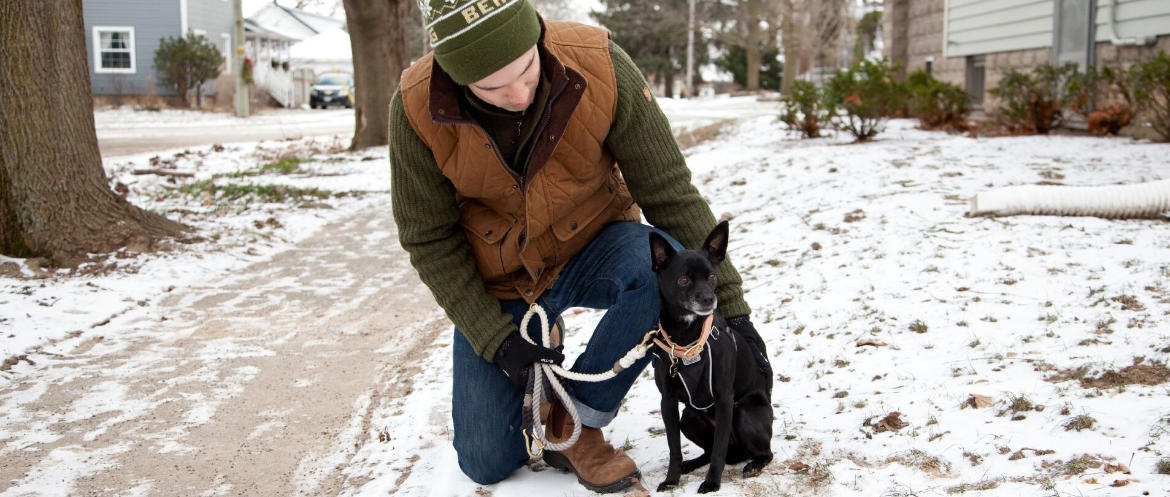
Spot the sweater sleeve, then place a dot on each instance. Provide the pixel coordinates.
(423, 202)
(658, 177)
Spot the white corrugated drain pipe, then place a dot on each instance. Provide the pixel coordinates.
(1141, 201)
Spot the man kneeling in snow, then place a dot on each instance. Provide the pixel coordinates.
(504, 149)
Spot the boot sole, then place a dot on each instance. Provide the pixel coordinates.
(559, 461)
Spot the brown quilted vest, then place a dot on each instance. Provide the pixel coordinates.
(523, 230)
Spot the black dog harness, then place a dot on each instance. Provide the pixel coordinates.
(696, 375)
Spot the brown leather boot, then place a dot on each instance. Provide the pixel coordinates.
(598, 465)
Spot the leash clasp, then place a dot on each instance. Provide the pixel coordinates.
(528, 445)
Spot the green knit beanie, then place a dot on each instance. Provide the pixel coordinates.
(474, 38)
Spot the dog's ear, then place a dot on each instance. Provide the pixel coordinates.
(716, 244)
(660, 251)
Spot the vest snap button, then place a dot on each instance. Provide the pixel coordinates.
(442, 111)
(577, 86)
(538, 272)
(488, 234)
(487, 145)
(573, 225)
(528, 293)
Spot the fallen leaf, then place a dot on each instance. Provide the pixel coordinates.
(978, 401)
(871, 341)
(1091, 481)
(797, 466)
(1116, 468)
(892, 422)
(1122, 483)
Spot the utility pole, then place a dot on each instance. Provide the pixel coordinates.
(690, 85)
(238, 59)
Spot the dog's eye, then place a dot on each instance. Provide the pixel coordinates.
(684, 281)
(711, 278)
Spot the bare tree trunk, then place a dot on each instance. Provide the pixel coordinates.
(753, 56)
(381, 51)
(790, 42)
(55, 199)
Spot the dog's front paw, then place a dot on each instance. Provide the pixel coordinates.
(708, 487)
(667, 484)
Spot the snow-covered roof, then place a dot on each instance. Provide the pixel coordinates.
(332, 45)
(255, 30)
(293, 23)
(317, 23)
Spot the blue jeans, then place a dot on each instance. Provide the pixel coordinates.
(612, 272)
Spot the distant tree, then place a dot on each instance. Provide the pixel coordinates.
(867, 34)
(812, 32)
(654, 34)
(55, 198)
(752, 26)
(734, 61)
(185, 63)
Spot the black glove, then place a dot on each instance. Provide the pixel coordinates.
(743, 325)
(515, 355)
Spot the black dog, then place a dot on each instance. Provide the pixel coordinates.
(728, 403)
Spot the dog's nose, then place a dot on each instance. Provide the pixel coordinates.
(706, 299)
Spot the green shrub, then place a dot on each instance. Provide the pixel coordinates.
(936, 104)
(185, 63)
(1090, 95)
(804, 110)
(1034, 103)
(866, 95)
(1151, 87)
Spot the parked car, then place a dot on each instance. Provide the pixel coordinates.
(332, 89)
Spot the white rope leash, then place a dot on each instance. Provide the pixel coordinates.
(552, 371)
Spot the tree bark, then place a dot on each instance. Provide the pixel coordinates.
(790, 46)
(381, 51)
(753, 46)
(55, 199)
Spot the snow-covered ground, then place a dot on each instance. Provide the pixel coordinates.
(842, 244)
(235, 232)
(838, 243)
(128, 118)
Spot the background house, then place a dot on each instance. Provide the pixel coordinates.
(122, 35)
(973, 42)
(277, 34)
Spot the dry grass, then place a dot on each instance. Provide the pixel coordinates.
(1140, 373)
(1080, 422)
(702, 134)
(923, 461)
(978, 486)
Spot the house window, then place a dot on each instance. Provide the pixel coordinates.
(227, 52)
(113, 50)
(976, 79)
(930, 67)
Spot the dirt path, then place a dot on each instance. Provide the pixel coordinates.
(257, 384)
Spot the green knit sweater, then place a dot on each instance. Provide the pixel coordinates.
(423, 201)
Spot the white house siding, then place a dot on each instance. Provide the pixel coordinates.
(975, 27)
(1134, 18)
(152, 22)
